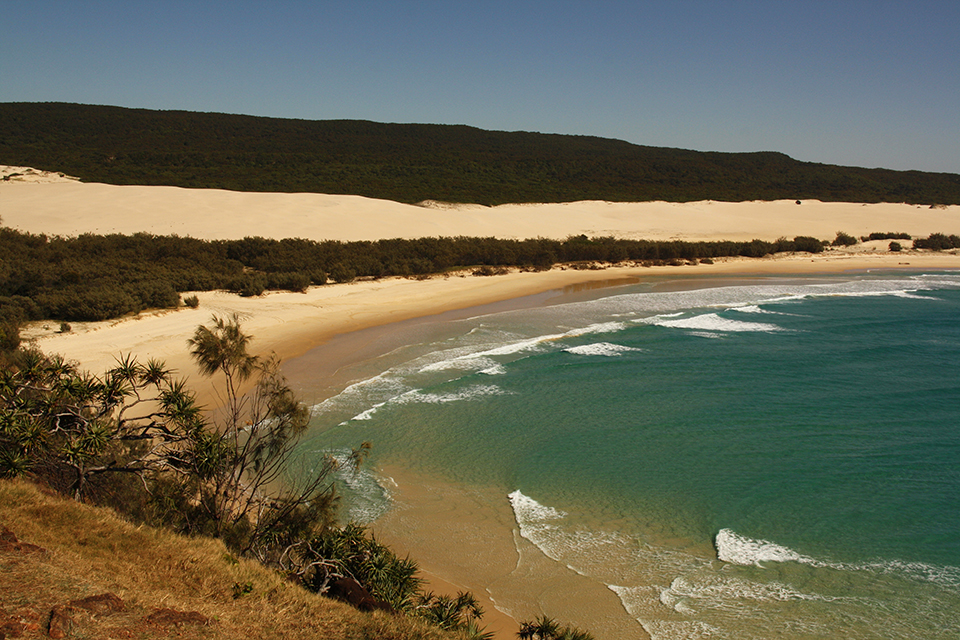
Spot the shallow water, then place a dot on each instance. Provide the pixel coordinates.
(766, 458)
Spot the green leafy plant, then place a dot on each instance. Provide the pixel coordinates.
(544, 628)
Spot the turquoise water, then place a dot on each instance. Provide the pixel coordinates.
(766, 458)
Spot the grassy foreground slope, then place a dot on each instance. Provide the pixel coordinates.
(416, 162)
(88, 551)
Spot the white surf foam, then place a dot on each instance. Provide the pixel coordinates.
(415, 396)
(718, 591)
(469, 393)
(774, 292)
(600, 349)
(527, 511)
(366, 415)
(461, 363)
(741, 550)
(370, 498)
(714, 322)
(495, 370)
(757, 309)
(382, 386)
(737, 549)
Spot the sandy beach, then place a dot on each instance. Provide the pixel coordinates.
(291, 324)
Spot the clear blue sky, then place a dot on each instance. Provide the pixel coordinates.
(854, 82)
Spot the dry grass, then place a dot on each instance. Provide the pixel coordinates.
(91, 551)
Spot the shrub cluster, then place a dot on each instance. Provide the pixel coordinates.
(885, 236)
(937, 242)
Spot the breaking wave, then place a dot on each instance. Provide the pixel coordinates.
(600, 349)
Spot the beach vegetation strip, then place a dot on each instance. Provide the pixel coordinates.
(52, 277)
(99, 277)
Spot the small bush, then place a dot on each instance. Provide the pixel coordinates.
(192, 301)
(65, 327)
(808, 244)
(895, 246)
(844, 240)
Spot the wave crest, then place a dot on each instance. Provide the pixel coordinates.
(606, 349)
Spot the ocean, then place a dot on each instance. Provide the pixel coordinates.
(752, 458)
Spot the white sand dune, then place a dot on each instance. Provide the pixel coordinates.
(62, 206)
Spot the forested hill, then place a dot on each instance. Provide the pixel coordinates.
(415, 162)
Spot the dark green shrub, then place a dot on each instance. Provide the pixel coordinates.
(895, 246)
(544, 628)
(249, 285)
(937, 242)
(844, 240)
(808, 244)
(886, 236)
(192, 301)
(9, 335)
(342, 273)
(291, 281)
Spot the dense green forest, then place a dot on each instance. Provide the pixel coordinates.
(416, 162)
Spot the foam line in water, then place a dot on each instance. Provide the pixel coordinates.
(370, 497)
(715, 322)
(600, 349)
(741, 550)
(418, 396)
(753, 308)
(495, 370)
(737, 549)
(529, 511)
(714, 589)
(382, 384)
(663, 303)
(462, 363)
(470, 393)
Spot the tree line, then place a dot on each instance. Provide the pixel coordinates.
(416, 162)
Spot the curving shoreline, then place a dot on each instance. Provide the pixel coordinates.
(290, 324)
